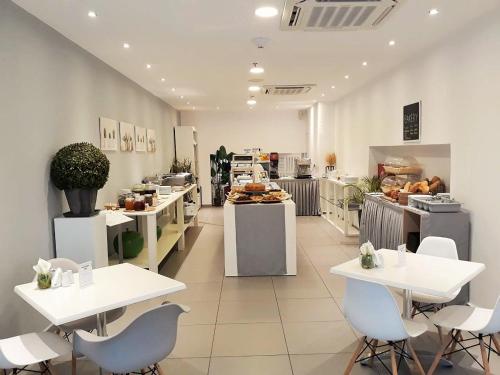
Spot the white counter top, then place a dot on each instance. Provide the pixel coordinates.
(164, 202)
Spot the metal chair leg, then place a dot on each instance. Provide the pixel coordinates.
(373, 352)
(73, 364)
(456, 339)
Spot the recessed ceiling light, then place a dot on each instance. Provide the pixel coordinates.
(365, 63)
(346, 76)
(92, 14)
(218, 108)
(194, 107)
(266, 12)
(172, 89)
(333, 87)
(187, 103)
(163, 79)
(323, 94)
(254, 88)
(251, 101)
(433, 12)
(126, 45)
(256, 69)
(392, 43)
(148, 66)
(182, 96)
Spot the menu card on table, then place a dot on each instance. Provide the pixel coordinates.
(85, 276)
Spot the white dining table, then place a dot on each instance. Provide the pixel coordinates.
(421, 273)
(113, 287)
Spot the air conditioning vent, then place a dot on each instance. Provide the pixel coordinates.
(286, 89)
(331, 15)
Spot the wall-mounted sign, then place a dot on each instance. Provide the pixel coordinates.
(411, 122)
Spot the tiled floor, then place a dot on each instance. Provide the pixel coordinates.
(267, 325)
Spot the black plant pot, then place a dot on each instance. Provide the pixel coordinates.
(81, 202)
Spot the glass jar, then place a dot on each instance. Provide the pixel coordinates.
(139, 203)
(367, 261)
(124, 194)
(149, 199)
(44, 280)
(129, 204)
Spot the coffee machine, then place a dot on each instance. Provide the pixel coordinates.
(273, 165)
(303, 168)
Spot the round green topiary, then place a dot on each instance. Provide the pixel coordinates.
(79, 166)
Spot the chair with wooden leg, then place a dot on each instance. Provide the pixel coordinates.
(141, 346)
(371, 310)
(482, 325)
(438, 247)
(20, 352)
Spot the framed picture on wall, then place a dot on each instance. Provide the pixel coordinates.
(140, 139)
(151, 139)
(126, 136)
(412, 122)
(108, 130)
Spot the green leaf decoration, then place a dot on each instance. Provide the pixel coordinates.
(79, 166)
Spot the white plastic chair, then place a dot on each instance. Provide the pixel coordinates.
(371, 310)
(482, 324)
(145, 342)
(33, 348)
(438, 247)
(89, 323)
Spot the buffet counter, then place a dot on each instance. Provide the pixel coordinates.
(305, 194)
(260, 239)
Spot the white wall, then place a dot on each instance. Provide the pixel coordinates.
(273, 131)
(52, 93)
(458, 82)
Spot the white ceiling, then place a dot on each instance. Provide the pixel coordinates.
(203, 48)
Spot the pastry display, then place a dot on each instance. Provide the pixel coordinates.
(238, 196)
(269, 198)
(398, 190)
(255, 187)
(257, 198)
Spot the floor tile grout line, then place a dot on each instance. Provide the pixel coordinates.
(218, 307)
(216, 321)
(282, 327)
(328, 289)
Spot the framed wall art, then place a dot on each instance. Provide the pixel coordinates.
(108, 130)
(126, 136)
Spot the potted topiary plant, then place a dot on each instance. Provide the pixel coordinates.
(80, 169)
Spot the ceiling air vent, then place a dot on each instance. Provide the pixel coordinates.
(286, 89)
(332, 15)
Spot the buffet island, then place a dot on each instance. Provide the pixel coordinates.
(305, 193)
(259, 232)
